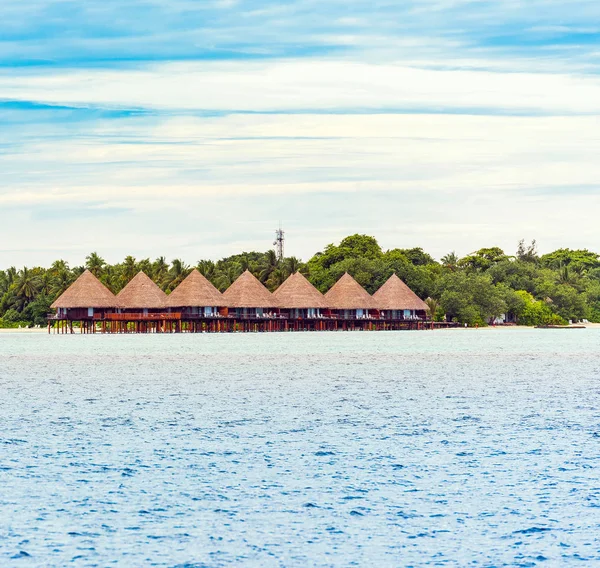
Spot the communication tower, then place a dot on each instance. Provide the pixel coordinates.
(278, 243)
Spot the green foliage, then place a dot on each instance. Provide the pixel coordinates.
(483, 259)
(450, 261)
(471, 298)
(531, 290)
(13, 325)
(11, 316)
(355, 246)
(577, 260)
(527, 253)
(536, 312)
(416, 256)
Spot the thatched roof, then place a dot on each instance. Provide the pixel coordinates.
(348, 294)
(248, 292)
(140, 293)
(195, 291)
(396, 295)
(298, 292)
(86, 292)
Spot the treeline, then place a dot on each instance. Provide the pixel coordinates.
(531, 289)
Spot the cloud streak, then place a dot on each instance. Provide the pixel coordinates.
(191, 128)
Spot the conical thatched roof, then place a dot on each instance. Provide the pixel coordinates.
(348, 294)
(195, 291)
(298, 292)
(248, 292)
(140, 293)
(396, 295)
(86, 292)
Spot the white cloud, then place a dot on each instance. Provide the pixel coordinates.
(456, 175)
(199, 187)
(335, 85)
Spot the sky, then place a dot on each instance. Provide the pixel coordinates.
(192, 128)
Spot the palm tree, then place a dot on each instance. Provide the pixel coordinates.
(277, 278)
(112, 278)
(450, 261)
(179, 270)
(3, 282)
(145, 266)
(207, 268)
(59, 266)
(565, 275)
(46, 279)
(292, 265)
(245, 262)
(228, 276)
(433, 306)
(95, 263)
(129, 268)
(268, 265)
(11, 275)
(61, 280)
(28, 285)
(160, 267)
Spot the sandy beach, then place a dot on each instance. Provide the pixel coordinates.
(25, 330)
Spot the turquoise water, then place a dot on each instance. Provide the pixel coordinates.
(445, 448)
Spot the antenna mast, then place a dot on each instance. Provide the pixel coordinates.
(278, 243)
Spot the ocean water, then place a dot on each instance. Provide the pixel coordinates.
(445, 448)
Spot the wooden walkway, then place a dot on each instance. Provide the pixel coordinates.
(175, 323)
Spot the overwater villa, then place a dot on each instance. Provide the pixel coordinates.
(247, 305)
(348, 300)
(196, 297)
(144, 303)
(86, 300)
(397, 302)
(142, 295)
(197, 300)
(299, 301)
(248, 298)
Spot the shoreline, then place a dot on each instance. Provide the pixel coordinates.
(27, 330)
(23, 330)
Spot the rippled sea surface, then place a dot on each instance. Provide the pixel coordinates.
(445, 448)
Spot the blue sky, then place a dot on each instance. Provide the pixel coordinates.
(190, 129)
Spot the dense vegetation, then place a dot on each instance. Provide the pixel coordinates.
(532, 289)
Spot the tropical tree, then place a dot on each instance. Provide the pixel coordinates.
(129, 269)
(177, 274)
(433, 306)
(450, 261)
(61, 279)
(276, 279)
(292, 265)
(146, 266)
(225, 278)
(582, 259)
(11, 275)
(207, 268)
(483, 259)
(268, 265)
(95, 264)
(27, 285)
(527, 253)
(558, 286)
(245, 262)
(160, 267)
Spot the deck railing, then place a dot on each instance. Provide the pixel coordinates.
(139, 316)
(144, 317)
